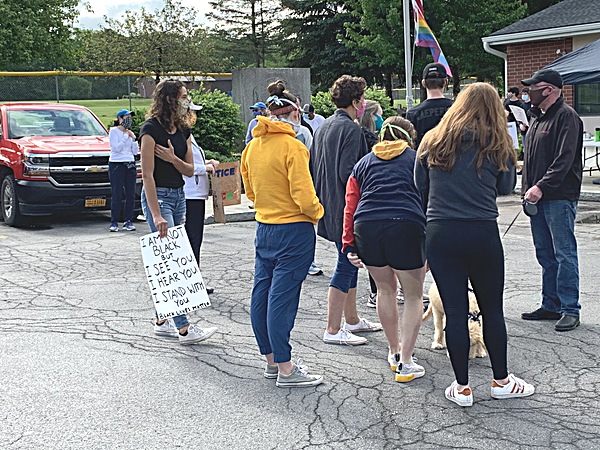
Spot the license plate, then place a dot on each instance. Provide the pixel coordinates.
(91, 202)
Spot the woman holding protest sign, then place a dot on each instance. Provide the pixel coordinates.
(276, 177)
(166, 156)
(462, 165)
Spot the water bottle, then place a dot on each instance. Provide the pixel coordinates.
(597, 135)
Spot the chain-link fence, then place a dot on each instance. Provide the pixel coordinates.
(68, 87)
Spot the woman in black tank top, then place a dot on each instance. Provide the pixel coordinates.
(166, 156)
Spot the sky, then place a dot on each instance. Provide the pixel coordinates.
(115, 8)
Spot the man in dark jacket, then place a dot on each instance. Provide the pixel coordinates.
(552, 171)
(337, 146)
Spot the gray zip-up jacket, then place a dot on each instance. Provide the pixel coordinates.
(464, 193)
(338, 145)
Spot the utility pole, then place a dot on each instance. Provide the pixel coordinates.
(407, 54)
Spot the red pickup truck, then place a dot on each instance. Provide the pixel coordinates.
(53, 158)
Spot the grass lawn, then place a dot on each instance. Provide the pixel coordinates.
(402, 102)
(106, 110)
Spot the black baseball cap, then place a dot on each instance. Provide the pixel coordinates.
(434, 70)
(548, 75)
(308, 108)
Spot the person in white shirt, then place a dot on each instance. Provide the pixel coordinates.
(196, 190)
(314, 120)
(122, 170)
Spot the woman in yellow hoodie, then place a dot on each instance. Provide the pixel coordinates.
(277, 179)
(384, 229)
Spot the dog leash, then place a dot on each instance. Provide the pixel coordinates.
(512, 223)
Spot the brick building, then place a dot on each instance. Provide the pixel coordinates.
(534, 42)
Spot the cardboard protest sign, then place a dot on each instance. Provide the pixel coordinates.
(231, 182)
(217, 197)
(176, 285)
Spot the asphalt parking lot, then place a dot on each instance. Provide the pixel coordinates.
(82, 369)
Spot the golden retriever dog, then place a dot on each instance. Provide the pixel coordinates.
(436, 308)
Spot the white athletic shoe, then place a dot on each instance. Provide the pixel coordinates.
(166, 329)
(463, 398)
(196, 334)
(343, 337)
(514, 388)
(363, 325)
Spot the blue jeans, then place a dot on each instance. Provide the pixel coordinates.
(553, 230)
(283, 256)
(345, 276)
(172, 209)
(120, 176)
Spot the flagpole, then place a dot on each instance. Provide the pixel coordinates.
(407, 58)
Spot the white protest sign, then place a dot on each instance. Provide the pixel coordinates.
(520, 114)
(512, 130)
(175, 281)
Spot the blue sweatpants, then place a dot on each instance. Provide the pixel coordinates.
(283, 256)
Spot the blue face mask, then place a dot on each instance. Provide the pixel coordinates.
(256, 113)
(378, 122)
(525, 97)
(306, 117)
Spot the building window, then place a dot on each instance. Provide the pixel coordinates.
(587, 99)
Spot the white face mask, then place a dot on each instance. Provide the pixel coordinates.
(295, 126)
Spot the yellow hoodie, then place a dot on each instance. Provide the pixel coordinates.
(276, 176)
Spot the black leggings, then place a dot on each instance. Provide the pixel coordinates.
(458, 251)
(194, 224)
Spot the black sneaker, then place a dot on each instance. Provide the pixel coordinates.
(372, 302)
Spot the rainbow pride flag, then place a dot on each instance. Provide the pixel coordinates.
(424, 36)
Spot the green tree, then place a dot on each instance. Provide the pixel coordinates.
(378, 35)
(161, 41)
(462, 24)
(324, 106)
(246, 27)
(309, 38)
(36, 30)
(218, 128)
(76, 88)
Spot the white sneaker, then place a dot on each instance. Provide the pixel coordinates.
(514, 388)
(363, 325)
(196, 334)
(463, 398)
(394, 360)
(408, 372)
(166, 329)
(343, 337)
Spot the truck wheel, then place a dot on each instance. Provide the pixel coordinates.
(10, 203)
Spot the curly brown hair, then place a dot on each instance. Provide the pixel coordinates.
(165, 105)
(347, 88)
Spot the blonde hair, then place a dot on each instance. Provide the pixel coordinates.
(478, 110)
(366, 120)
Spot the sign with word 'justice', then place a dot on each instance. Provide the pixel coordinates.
(175, 281)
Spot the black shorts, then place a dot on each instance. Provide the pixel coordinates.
(397, 243)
